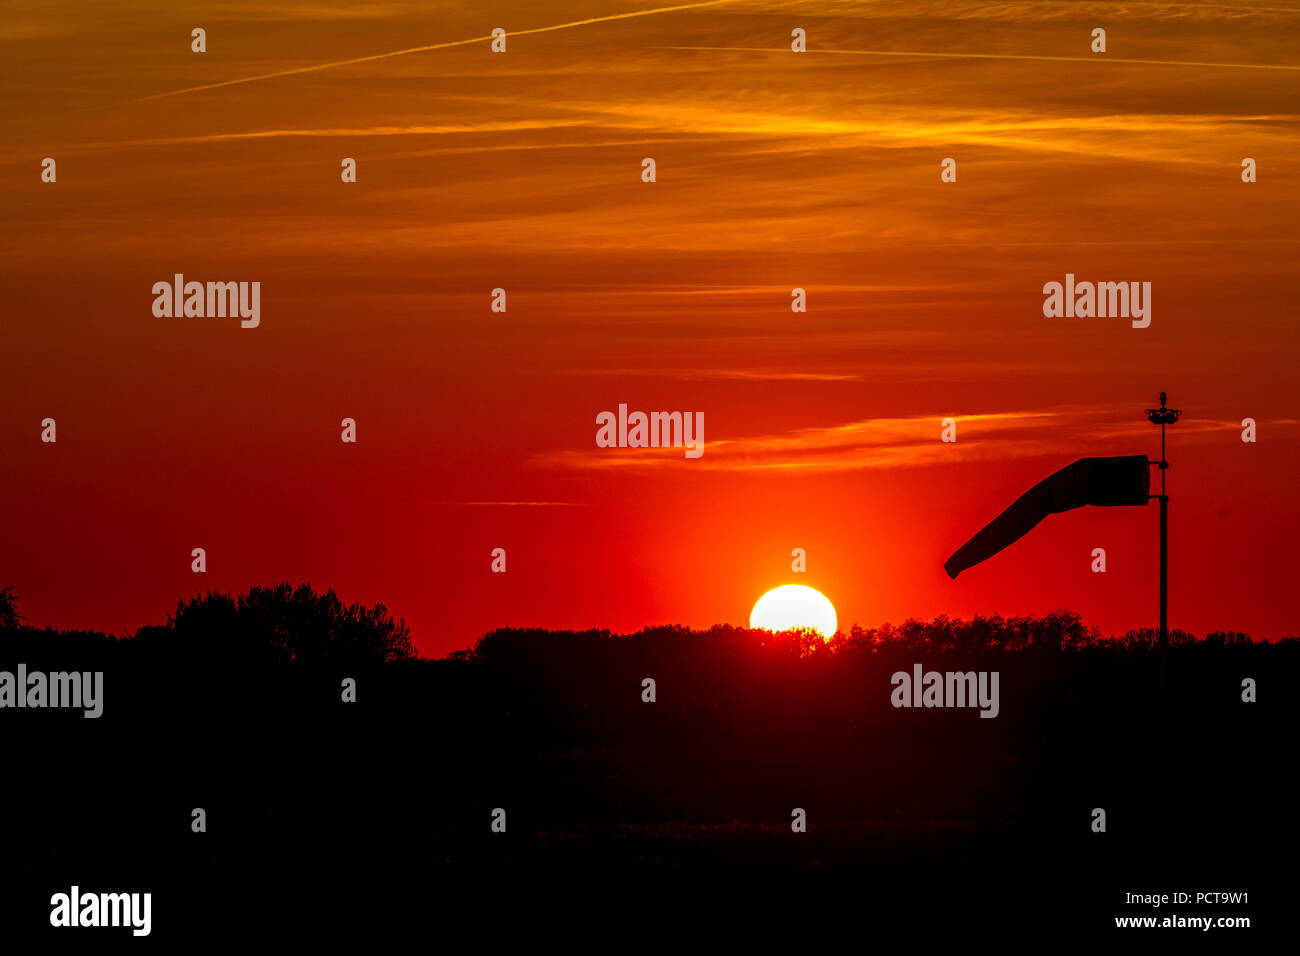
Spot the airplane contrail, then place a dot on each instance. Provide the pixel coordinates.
(431, 46)
(999, 56)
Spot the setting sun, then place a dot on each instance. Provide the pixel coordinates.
(794, 605)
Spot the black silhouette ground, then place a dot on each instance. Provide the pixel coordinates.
(625, 817)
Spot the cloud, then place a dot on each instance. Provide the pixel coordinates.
(868, 443)
(504, 504)
(348, 131)
(998, 56)
(1146, 137)
(521, 504)
(1035, 11)
(722, 374)
(910, 442)
(317, 67)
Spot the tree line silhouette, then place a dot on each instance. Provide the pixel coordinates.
(280, 624)
(283, 624)
(235, 704)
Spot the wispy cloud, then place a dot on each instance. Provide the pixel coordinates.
(1035, 11)
(998, 56)
(503, 504)
(1146, 137)
(349, 131)
(909, 442)
(721, 374)
(868, 443)
(317, 67)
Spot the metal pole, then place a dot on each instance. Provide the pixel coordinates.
(1164, 580)
(1163, 416)
(1164, 547)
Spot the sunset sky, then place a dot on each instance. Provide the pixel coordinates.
(522, 170)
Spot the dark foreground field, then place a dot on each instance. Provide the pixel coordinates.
(671, 819)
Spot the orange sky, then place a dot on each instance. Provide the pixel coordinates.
(522, 170)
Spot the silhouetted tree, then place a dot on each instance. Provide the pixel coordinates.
(1150, 637)
(1227, 637)
(280, 624)
(10, 617)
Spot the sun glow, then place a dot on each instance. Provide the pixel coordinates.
(794, 605)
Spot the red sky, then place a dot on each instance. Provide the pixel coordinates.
(521, 170)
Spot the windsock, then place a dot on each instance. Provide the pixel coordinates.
(1107, 482)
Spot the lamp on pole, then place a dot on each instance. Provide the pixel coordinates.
(1163, 416)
